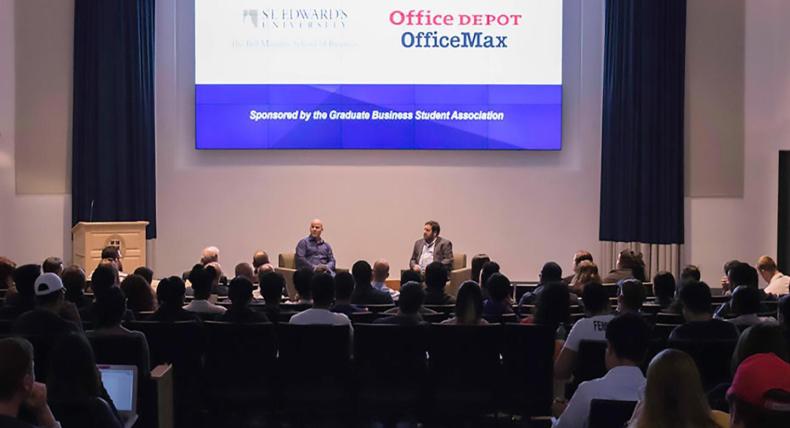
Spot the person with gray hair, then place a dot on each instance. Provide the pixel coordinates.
(209, 255)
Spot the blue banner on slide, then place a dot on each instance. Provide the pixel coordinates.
(379, 117)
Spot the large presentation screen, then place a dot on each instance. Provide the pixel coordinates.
(378, 74)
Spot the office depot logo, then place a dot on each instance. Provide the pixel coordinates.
(425, 38)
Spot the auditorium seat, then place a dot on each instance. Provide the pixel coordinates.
(464, 369)
(364, 317)
(501, 319)
(528, 360)
(443, 309)
(610, 413)
(315, 363)
(84, 413)
(458, 274)
(391, 369)
(713, 358)
(436, 318)
(669, 318)
(379, 308)
(591, 363)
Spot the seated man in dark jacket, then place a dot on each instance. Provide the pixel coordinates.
(435, 281)
(240, 292)
(364, 293)
(411, 297)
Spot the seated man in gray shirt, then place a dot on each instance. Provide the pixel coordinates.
(313, 252)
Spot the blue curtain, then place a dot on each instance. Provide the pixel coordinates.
(642, 144)
(113, 155)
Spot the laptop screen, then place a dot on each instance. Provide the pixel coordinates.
(120, 382)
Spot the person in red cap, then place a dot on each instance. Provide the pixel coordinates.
(760, 393)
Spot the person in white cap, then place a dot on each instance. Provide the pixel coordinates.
(45, 321)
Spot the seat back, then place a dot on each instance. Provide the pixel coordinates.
(713, 358)
(123, 350)
(84, 413)
(300, 345)
(459, 261)
(528, 360)
(610, 413)
(239, 354)
(180, 343)
(364, 317)
(287, 260)
(390, 354)
(591, 361)
(454, 349)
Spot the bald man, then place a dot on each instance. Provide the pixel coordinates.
(313, 252)
(381, 271)
(209, 255)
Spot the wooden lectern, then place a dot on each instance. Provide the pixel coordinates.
(89, 238)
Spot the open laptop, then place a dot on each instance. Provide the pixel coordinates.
(121, 384)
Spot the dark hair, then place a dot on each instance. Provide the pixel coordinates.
(488, 269)
(302, 280)
(751, 416)
(6, 271)
(111, 252)
(411, 298)
(553, 305)
(170, 291)
(469, 295)
(633, 293)
(109, 311)
(760, 339)
(695, 297)
(664, 286)
(743, 274)
(410, 275)
(240, 291)
(551, 272)
(74, 282)
(499, 288)
(784, 309)
(323, 288)
(745, 300)
(478, 262)
(103, 278)
(690, 272)
(25, 279)
(581, 256)
(595, 298)
(435, 228)
(73, 375)
(630, 259)
(362, 273)
(146, 273)
(435, 275)
(52, 264)
(272, 285)
(628, 336)
(201, 279)
(140, 295)
(16, 363)
(50, 298)
(729, 265)
(344, 285)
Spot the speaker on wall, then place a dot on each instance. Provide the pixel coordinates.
(783, 226)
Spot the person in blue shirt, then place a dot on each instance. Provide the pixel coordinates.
(313, 252)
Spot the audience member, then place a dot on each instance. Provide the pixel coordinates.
(272, 285)
(240, 293)
(104, 277)
(344, 289)
(170, 293)
(25, 300)
(488, 269)
(244, 270)
(553, 310)
(411, 298)
(74, 282)
(578, 257)
(7, 267)
(435, 281)
(468, 306)
(260, 261)
(549, 274)
(478, 260)
(725, 280)
(629, 265)
(146, 273)
(409, 276)
(364, 293)
(745, 304)
(591, 327)
(45, 320)
(140, 296)
(499, 292)
(323, 288)
(302, 280)
(586, 272)
(695, 299)
(664, 288)
(209, 255)
(630, 295)
(737, 275)
(18, 387)
(627, 338)
(218, 280)
(674, 396)
(760, 393)
(777, 281)
(107, 323)
(52, 265)
(381, 271)
(112, 255)
(201, 279)
(690, 273)
(74, 379)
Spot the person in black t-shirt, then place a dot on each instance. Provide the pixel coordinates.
(411, 297)
(240, 292)
(18, 386)
(170, 294)
(364, 293)
(700, 324)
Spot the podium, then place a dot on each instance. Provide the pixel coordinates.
(89, 238)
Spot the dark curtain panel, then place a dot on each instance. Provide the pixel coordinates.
(642, 147)
(113, 157)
